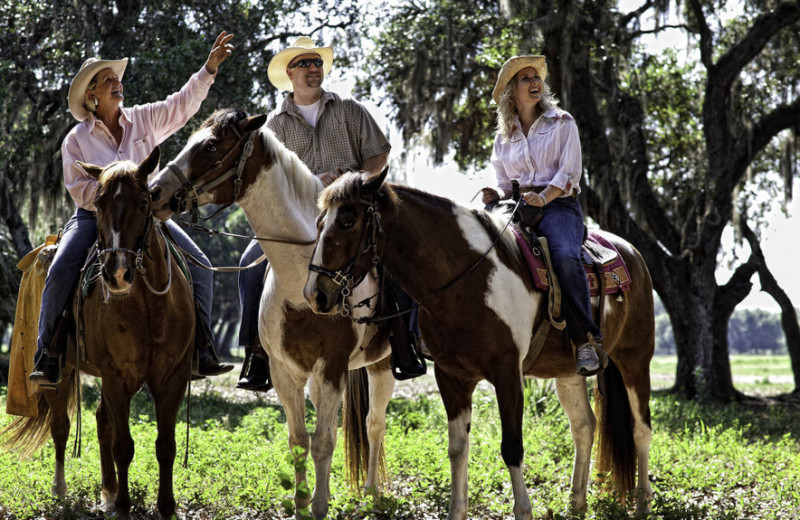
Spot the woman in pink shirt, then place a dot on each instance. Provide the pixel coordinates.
(537, 144)
(109, 132)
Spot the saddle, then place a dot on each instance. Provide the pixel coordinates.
(605, 269)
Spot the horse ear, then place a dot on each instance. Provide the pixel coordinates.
(91, 169)
(150, 163)
(373, 183)
(255, 122)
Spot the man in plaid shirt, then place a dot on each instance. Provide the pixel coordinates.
(330, 135)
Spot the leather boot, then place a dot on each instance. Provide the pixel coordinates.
(255, 373)
(209, 364)
(47, 371)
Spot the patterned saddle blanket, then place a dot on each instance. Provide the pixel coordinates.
(600, 257)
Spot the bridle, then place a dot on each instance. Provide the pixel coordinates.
(344, 277)
(190, 191)
(138, 256)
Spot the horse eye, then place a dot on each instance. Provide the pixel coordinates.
(211, 148)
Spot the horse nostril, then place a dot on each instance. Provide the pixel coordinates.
(128, 277)
(155, 194)
(322, 301)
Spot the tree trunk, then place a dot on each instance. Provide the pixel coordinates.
(12, 219)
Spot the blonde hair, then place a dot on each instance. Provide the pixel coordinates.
(88, 103)
(507, 110)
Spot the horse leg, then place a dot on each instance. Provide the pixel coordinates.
(637, 385)
(105, 438)
(59, 429)
(118, 401)
(381, 387)
(326, 398)
(167, 393)
(574, 398)
(290, 393)
(509, 402)
(457, 398)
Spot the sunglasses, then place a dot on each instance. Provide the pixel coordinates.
(306, 63)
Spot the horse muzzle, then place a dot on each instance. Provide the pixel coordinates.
(323, 294)
(118, 274)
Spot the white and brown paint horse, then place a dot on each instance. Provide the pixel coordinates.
(139, 329)
(482, 327)
(278, 194)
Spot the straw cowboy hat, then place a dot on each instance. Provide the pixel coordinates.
(303, 45)
(514, 65)
(77, 90)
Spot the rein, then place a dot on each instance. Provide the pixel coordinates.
(344, 278)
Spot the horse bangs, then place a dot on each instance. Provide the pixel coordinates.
(116, 170)
(223, 117)
(348, 189)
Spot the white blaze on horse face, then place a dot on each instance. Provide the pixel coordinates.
(507, 295)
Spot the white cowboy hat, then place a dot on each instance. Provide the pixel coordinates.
(77, 90)
(514, 65)
(303, 45)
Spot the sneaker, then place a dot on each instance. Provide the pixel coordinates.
(587, 363)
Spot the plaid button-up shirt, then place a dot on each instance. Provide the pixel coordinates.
(346, 135)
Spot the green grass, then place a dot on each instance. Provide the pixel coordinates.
(707, 462)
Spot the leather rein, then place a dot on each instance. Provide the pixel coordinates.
(344, 277)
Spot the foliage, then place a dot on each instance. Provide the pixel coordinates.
(707, 462)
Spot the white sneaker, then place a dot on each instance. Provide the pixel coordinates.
(587, 363)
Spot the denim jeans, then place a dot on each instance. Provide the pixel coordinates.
(251, 285)
(562, 225)
(79, 235)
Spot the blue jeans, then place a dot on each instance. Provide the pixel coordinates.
(251, 285)
(562, 225)
(79, 235)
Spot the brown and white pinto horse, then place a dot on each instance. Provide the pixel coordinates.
(482, 327)
(139, 329)
(278, 193)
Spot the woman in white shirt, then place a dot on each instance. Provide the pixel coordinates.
(537, 144)
(107, 132)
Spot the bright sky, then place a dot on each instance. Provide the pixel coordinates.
(778, 240)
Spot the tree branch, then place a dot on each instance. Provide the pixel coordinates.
(763, 28)
(783, 117)
(791, 329)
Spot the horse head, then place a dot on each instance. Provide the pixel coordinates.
(124, 218)
(347, 243)
(209, 168)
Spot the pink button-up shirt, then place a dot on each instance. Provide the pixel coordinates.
(549, 155)
(144, 127)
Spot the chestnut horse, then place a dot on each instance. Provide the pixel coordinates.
(139, 328)
(478, 316)
(234, 159)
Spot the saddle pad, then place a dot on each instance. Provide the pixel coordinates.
(613, 270)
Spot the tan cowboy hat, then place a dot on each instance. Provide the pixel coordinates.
(77, 90)
(514, 65)
(303, 45)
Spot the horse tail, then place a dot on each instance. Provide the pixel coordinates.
(27, 434)
(616, 448)
(354, 428)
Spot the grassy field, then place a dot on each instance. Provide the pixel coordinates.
(740, 461)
